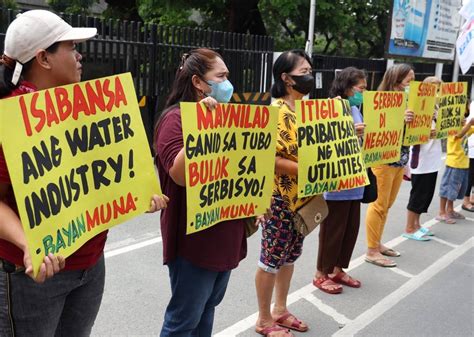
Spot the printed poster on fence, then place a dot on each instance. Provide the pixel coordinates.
(329, 155)
(230, 161)
(79, 161)
(421, 100)
(452, 106)
(384, 118)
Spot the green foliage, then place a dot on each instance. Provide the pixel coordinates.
(173, 13)
(11, 4)
(342, 27)
(71, 6)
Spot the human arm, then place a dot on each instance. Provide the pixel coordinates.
(466, 128)
(177, 170)
(359, 129)
(409, 116)
(11, 230)
(286, 166)
(158, 202)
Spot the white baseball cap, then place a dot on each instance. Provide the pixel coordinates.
(39, 29)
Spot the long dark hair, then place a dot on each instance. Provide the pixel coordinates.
(286, 63)
(7, 66)
(394, 76)
(197, 62)
(344, 80)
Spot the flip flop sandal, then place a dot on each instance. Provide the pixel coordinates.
(378, 262)
(446, 219)
(295, 324)
(426, 230)
(270, 329)
(417, 236)
(469, 209)
(456, 215)
(350, 282)
(323, 282)
(390, 252)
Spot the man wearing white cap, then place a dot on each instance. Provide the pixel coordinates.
(64, 299)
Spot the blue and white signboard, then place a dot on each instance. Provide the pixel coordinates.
(424, 28)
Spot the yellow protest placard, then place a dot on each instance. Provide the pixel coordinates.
(451, 108)
(79, 162)
(421, 100)
(329, 154)
(230, 161)
(384, 119)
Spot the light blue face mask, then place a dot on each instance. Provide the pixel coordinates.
(357, 99)
(221, 91)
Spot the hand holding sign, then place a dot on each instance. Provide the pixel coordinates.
(79, 164)
(209, 102)
(158, 202)
(229, 161)
(419, 114)
(409, 115)
(383, 114)
(52, 264)
(359, 129)
(329, 156)
(452, 105)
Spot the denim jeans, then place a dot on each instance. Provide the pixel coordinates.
(64, 305)
(195, 292)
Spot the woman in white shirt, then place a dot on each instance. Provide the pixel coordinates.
(425, 162)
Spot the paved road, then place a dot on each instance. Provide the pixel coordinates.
(430, 293)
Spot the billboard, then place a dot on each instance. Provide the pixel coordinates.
(424, 28)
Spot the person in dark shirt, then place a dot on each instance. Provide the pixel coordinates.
(200, 263)
(63, 299)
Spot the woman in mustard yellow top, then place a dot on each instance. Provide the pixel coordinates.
(281, 243)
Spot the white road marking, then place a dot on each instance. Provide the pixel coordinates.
(401, 272)
(305, 291)
(129, 248)
(328, 310)
(368, 316)
(444, 242)
(302, 293)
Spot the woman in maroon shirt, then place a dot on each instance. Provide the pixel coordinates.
(200, 263)
(39, 54)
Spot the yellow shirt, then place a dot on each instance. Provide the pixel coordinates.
(457, 150)
(287, 147)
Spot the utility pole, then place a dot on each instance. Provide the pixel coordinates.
(312, 16)
(456, 56)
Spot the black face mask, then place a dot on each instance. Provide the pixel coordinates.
(303, 84)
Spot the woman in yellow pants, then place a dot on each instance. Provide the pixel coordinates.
(389, 178)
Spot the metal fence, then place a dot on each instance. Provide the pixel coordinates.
(325, 68)
(152, 54)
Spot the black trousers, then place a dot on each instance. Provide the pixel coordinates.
(471, 177)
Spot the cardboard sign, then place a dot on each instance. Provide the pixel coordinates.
(384, 119)
(230, 161)
(452, 106)
(421, 100)
(79, 162)
(329, 154)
